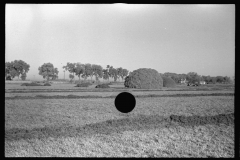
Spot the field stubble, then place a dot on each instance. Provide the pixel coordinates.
(93, 127)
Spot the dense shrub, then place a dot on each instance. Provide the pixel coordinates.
(227, 119)
(168, 82)
(83, 84)
(102, 86)
(31, 84)
(47, 84)
(34, 84)
(8, 78)
(144, 78)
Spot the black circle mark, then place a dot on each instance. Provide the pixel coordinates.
(125, 102)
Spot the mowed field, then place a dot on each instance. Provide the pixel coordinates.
(66, 121)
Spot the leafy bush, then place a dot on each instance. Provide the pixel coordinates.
(31, 84)
(168, 82)
(102, 86)
(47, 84)
(144, 78)
(44, 82)
(8, 78)
(83, 84)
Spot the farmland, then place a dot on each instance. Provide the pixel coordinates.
(60, 121)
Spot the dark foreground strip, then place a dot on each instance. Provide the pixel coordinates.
(203, 120)
(137, 96)
(138, 123)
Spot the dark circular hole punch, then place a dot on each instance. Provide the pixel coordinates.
(125, 102)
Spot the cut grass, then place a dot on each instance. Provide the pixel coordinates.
(94, 128)
(175, 141)
(113, 96)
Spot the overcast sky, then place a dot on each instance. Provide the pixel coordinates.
(167, 38)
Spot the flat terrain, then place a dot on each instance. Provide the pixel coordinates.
(66, 121)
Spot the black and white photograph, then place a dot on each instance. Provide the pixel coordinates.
(120, 80)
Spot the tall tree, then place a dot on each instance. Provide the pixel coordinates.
(21, 67)
(219, 79)
(10, 72)
(71, 68)
(71, 76)
(16, 68)
(193, 77)
(87, 71)
(182, 77)
(108, 72)
(111, 71)
(206, 78)
(105, 74)
(226, 79)
(54, 76)
(23, 76)
(124, 73)
(119, 72)
(97, 71)
(47, 70)
(213, 80)
(79, 70)
(114, 74)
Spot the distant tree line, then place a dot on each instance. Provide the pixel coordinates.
(89, 70)
(193, 77)
(20, 68)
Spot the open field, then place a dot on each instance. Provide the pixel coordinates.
(193, 123)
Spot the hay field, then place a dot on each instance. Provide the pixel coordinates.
(179, 126)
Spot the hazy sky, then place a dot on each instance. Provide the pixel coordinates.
(167, 38)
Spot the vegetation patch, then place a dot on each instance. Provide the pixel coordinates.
(31, 84)
(83, 84)
(227, 119)
(47, 84)
(168, 82)
(102, 86)
(144, 78)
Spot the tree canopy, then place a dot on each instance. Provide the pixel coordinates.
(16, 68)
(48, 71)
(97, 71)
(79, 69)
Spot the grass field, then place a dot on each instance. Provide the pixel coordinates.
(183, 125)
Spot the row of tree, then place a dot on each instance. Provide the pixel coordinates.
(90, 70)
(20, 68)
(193, 77)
